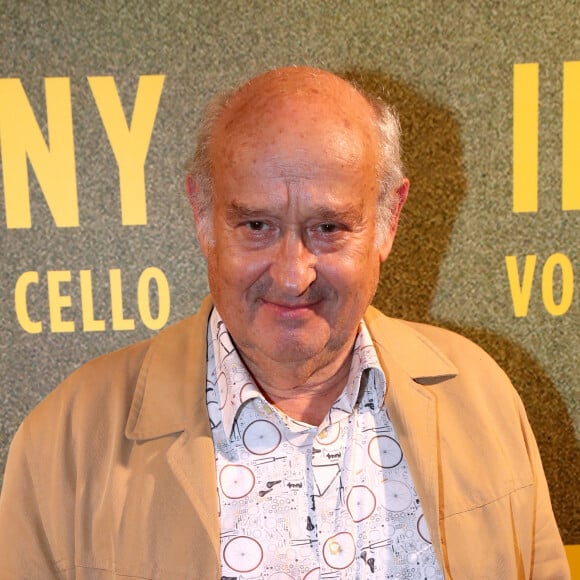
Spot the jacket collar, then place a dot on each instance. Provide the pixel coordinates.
(170, 392)
(400, 345)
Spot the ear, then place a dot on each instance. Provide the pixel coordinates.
(387, 244)
(201, 229)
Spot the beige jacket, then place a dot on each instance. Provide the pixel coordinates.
(112, 476)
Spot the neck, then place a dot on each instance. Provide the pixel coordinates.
(306, 391)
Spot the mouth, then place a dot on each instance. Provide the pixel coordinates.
(291, 310)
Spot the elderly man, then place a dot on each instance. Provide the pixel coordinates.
(287, 430)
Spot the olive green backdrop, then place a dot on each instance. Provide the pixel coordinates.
(447, 66)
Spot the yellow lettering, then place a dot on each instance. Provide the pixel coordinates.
(130, 145)
(21, 305)
(163, 295)
(58, 301)
(525, 137)
(117, 314)
(152, 287)
(520, 290)
(563, 262)
(571, 137)
(21, 138)
(90, 324)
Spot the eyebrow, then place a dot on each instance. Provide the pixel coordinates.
(239, 210)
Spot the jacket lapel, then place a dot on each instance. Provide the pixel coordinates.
(169, 399)
(411, 365)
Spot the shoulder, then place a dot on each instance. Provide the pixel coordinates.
(424, 349)
(100, 393)
(466, 382)
(109, 379)
(456, 347)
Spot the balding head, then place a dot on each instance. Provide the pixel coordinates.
(263, 108)
(265, 98)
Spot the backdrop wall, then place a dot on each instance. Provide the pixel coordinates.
(98, 108)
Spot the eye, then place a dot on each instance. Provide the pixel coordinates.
(256, 225)
(328, 228)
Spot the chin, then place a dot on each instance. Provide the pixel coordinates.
(285, 350)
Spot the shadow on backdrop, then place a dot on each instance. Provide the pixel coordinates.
(434, 164)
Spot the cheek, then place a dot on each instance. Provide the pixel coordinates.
(354, 263)
(228, 267)
(353, 275)
(343, 273)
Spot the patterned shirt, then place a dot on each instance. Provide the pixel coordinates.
(302, 502)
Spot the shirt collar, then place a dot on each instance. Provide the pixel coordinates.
(170, 382)
(235, 385)
(365, 386)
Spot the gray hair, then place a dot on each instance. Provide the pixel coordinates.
(390, 173)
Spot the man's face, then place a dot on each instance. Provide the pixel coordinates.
(293, 260)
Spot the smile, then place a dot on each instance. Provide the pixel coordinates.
(290, 310)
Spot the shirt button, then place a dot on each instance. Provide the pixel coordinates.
(334, 547)
(323, 434)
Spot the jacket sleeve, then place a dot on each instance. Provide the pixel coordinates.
(24, 547)
(549, 560)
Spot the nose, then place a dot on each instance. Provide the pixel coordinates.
(293, 268)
